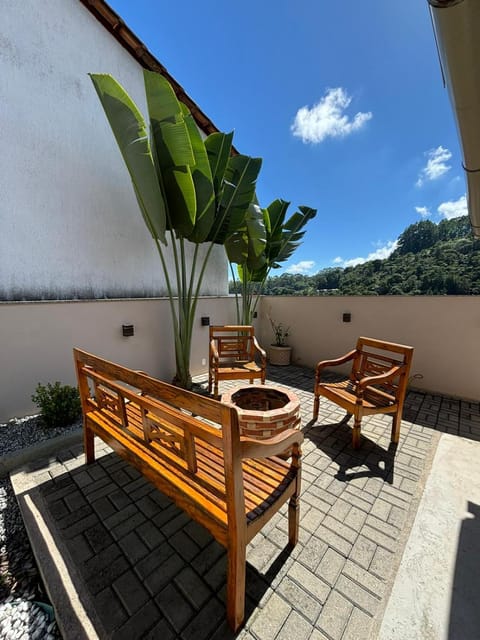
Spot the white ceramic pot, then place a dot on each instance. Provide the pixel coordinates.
(279, 355)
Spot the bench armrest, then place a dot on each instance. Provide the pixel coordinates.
(253, 448)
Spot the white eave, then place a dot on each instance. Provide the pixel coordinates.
(457, 30)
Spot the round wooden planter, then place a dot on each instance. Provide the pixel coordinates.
(279, 355)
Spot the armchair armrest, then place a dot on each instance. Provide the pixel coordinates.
(368, 381)
(253, 448)
(213, 351)
(384, 377)
(323, 364)
(258, 348)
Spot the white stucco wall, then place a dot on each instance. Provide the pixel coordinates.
(70, 224)
(37, 338)
(444, 330)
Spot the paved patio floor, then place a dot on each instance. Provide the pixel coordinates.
(138, 567)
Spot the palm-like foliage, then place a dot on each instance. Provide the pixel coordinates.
(188, 189)
(246, 248)
(261, 248)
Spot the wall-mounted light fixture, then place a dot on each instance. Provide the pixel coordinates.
(347, 317)
(205, 321)
(128, 330)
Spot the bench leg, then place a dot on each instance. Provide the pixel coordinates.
(88, 444)
(236, 586)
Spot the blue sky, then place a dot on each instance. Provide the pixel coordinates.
(344, 102)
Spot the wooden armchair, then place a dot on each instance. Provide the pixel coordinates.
(377, 383)
(235, 355)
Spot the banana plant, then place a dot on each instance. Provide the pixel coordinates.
(188, 190)
(246, 248)
(256, 255)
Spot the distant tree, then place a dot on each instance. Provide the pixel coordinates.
(448, 266)
(417, 237)
(454, 228)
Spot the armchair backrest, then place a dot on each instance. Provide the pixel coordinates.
(233, 342)
(377, 357)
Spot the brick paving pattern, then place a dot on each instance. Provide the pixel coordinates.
(152, 572)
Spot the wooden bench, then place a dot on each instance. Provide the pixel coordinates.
(188, 446)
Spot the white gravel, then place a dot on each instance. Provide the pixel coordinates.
(23, 614)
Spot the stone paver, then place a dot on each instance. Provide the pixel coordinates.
(151, 572)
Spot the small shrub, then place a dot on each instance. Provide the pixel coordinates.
(281, 334)
(59, 404)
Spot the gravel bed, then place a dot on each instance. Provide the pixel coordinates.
(24, 610)
(24, 432)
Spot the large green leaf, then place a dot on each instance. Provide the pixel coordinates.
(173, 152)
(247, 244)
(219, 147)
(236, 195)
(202, 178)
(292, 233)
(130, 132)
(283, 238)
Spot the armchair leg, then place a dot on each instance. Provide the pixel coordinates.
(316, 406)
(293, 519)
(397, 420)
(356, 433)
(294, 502)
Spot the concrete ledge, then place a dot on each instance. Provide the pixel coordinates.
(39, 450)
(436, 587)
(64, 586)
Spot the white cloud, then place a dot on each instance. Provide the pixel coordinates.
(379, 254)
(338, 260)
(453, 209)
(436, 165)
(327, 118)
(423, 211)
(304, 267)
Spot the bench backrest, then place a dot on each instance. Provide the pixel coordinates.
(376, 357)
(233, 342)
(109, 387)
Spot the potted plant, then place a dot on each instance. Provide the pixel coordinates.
(280, 352)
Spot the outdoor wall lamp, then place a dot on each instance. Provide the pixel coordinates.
(205, 321)
(347, 317)
(127, 330)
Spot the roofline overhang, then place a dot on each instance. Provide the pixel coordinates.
(125, 36)
(457, 26)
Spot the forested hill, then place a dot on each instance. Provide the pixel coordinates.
(431, 259)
